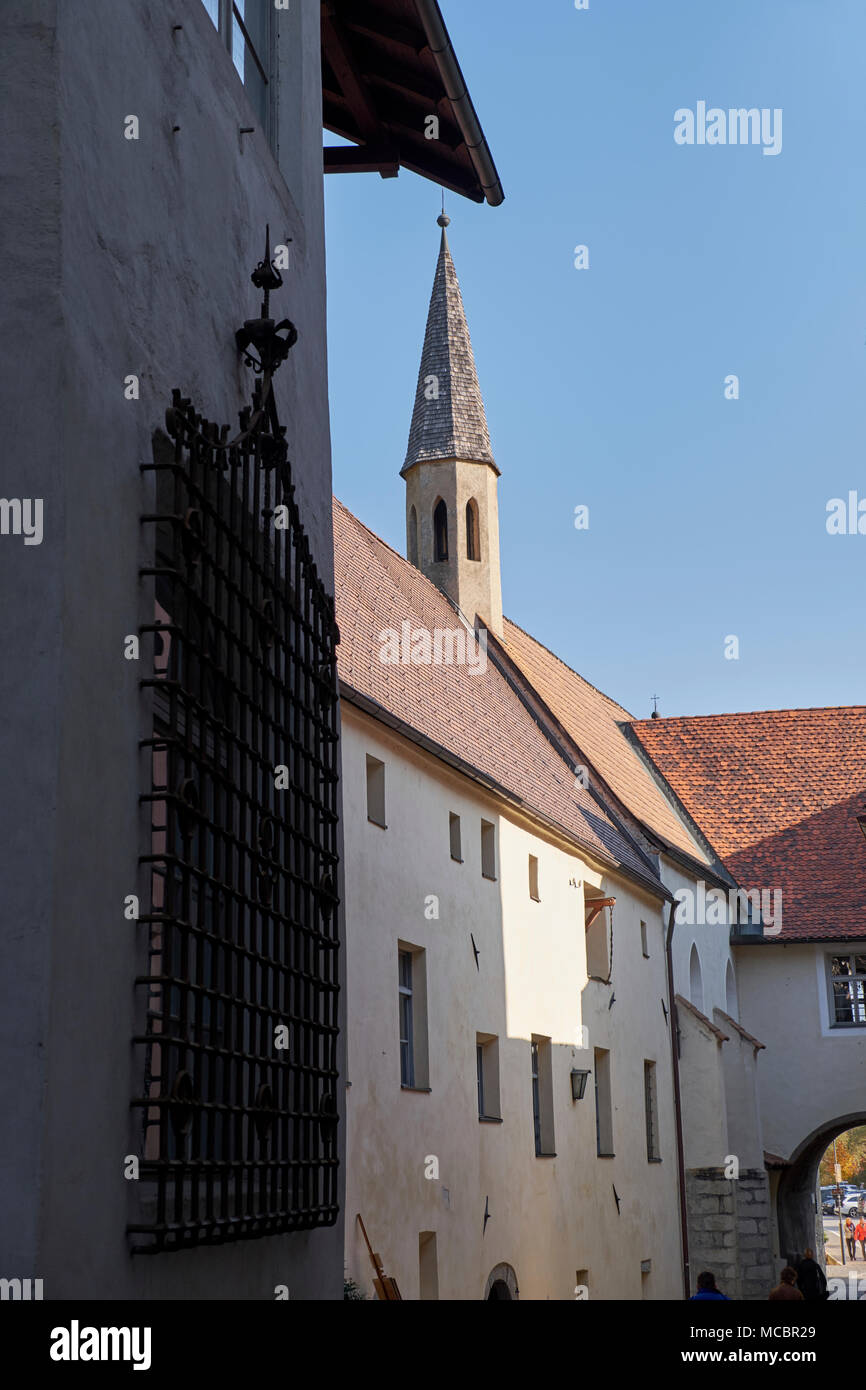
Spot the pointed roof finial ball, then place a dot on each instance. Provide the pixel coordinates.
(443, 220)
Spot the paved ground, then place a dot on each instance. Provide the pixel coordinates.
(831, 1228)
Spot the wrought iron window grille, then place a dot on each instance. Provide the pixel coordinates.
(236, 1044)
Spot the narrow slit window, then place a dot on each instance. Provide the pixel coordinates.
(473, 547)
(533, 878)
(454, 835)
(487, 1075)
(643, 941)
(542, 1097)
(413, 536)
(488, 849)
(440, 531)
(376, 791)
(603, 1105)
(653, 1152)
(407, 1020)
(412, 997)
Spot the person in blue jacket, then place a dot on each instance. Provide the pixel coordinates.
(707, 1288)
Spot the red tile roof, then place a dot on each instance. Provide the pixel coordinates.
(476, 717)
(592, 720)
(777, 794)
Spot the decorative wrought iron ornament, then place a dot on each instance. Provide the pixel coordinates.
(237, 1048)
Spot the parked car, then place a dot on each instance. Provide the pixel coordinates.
(853, 1200)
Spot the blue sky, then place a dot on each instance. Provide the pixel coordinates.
(605, 387)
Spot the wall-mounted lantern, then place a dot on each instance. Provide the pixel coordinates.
(578, 1084)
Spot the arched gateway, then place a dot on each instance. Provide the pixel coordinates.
(799, 1223)
(501, 1284)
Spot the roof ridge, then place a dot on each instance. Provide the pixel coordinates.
(742, 714)
(603, 693)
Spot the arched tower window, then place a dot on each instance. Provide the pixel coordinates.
(440, 531)
(696, 984)
(473, 545)
(413, 536)
(730, 992)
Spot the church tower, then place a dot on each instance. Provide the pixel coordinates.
(452, 510)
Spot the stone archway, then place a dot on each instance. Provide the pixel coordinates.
(794, 1207)
(501, 1284)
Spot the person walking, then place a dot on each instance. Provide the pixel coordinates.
(786, 1290)
(707, 1288)
(850, 1238)
(811, 1279)
(859, 1234)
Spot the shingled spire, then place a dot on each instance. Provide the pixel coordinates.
(452, 510)
(448, 420)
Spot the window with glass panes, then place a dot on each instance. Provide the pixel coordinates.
(245, 26)
(848, 990)
(407, 1046)
(536, 1099)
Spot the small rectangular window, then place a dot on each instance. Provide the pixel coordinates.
(487, 1074)
(581, 1285)
(533, 878)
(376, 792)
(454, 832)
(412, 996)
(603, 1105)
(428, 1266)
(643, 940)
(488, 849)
(651, 1101)
(542, 1097)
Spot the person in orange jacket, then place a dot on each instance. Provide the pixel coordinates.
(860, 1234)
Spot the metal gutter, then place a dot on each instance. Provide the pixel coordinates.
(455, 88)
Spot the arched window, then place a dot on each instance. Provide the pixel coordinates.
(696, 984)
(413, 536)
(730, 991)
(440, 531)
(473, 545)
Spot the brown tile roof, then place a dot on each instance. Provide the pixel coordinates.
(476, 718)
(592, 720)
(777, 793)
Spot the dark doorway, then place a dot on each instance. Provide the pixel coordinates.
(499, 1289)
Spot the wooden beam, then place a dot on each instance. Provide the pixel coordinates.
(374, 23)
(361, 159)
(338, 51)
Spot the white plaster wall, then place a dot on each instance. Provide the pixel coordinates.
(702, 1090)
(549, 1216)
(712, 941)
(810, 1072)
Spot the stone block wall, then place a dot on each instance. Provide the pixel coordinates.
(729, 1230)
